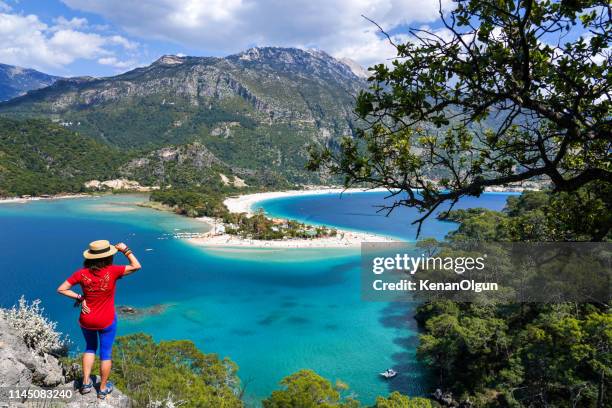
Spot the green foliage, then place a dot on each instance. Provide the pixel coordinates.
(38, 157)
(193, 203)
(538, 216)
(397, 400)
(258, 226)
(486, 101)
(307, 389)
(205, 202)
(255, 115)
(479, 224)
(529, 354)
(147, 371)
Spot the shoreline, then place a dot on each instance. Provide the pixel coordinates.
(345, 238)
(23, 200)
(244, 204)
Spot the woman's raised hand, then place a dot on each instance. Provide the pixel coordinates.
(84, 307)
(121, 247)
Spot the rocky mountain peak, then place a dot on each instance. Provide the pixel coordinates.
(356, 68)
(16, 81)
(302, 61)
(170, 60)
(253, 112)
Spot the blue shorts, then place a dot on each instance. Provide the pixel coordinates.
(107, 337)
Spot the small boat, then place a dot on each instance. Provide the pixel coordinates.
(389, 373)
(149, 249)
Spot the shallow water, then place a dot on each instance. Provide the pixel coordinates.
(271, 311)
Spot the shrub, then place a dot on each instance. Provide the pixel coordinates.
(36, 330)
(307, 389)
(171, 374)
(168, 402)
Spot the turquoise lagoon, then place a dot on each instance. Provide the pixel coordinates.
(271, 311)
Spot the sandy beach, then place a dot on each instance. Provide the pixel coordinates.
(23, 200)
(344, 239)
(245, 203)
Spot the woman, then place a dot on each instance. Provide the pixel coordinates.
(98, 319)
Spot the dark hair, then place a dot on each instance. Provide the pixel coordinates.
(94, 265)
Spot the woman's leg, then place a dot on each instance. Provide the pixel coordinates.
(107, 337)
(88, 362)
(89, 356)
(105, 370)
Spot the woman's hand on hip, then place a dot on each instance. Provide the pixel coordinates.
(84, 307)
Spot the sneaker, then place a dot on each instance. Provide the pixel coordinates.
(109, 388)
(86, 388)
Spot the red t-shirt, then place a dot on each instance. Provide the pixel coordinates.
(99, 292)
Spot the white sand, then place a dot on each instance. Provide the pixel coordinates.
(244, 204)
(21, 200)
(344, 239)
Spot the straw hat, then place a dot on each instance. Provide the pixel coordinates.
(99, 249)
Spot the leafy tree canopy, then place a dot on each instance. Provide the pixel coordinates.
(397, 400)
(307, 389)
(38, 157)
(507, 91)
(147, 371)
(523, 354)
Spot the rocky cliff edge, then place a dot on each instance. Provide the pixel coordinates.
(23, 369)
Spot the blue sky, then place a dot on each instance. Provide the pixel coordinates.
(106, 37)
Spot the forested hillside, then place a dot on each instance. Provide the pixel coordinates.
(38, 157)
(256, 110)
(499, 354)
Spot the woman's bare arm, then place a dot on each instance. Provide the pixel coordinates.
(64, 289)
(134, 264)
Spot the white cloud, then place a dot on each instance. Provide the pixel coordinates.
(75, 44)
(73, 23)
(27, 41)
(4, 6)
(373, 49)
(227, 26)
(124, 42)
(116, 63)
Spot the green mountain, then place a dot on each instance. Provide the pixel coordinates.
(256, 111)
(38, 157)
(16, 81)
(193, 165)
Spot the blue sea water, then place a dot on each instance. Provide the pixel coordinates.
(271, 311)
(362, 211)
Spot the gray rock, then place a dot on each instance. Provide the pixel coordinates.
(47, 372)
(444, 398)
(116, 399)
(21, 367)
